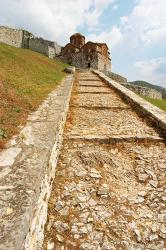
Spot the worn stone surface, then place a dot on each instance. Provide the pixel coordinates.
(27, 168)
(112, 191)
(156, 115)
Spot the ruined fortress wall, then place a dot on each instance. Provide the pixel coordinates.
(10, 36)
(152, 93)
(116, 77)
(51, 52)
(48, 48)
(25, 39)
(57, 48)
(39, 45)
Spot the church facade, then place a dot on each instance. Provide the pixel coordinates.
(86, 55)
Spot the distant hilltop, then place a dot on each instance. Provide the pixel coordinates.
(24, 39)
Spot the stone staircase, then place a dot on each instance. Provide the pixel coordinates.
(109, 186)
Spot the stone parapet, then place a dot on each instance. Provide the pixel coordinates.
(152, 113)
(27, 169)
(118, 78)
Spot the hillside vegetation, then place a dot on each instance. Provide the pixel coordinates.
(157, 102)
(26, 78)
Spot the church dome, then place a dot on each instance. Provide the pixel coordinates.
(77, 34)
(77, 40)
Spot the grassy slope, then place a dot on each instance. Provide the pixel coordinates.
(159, 103)
(26, 78)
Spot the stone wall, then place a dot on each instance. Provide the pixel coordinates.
(104, 64)
(116, 77)
(27, 169)
(39, 45)
(152, 93)
(48, 48)
(24, 39)
(51, 52)
(77, 60)
(11, 37)
(57, 48)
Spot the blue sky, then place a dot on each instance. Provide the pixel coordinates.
(135, 30)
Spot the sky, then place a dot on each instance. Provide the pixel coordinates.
(134, 30)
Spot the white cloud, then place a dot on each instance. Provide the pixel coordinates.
(112, 38)
(153, 70)
(53, 19)
(147, 22)
(92, 18)
(124, 19)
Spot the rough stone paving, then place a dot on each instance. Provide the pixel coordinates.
(108, 191)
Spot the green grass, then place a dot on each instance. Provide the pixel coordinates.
(26, 78)
(157, 102)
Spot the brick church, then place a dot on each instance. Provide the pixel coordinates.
(86, 55)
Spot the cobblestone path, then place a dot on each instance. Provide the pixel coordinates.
(108, 191)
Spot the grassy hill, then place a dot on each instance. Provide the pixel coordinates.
(26, 78)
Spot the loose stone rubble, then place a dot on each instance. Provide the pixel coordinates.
(109, 188)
